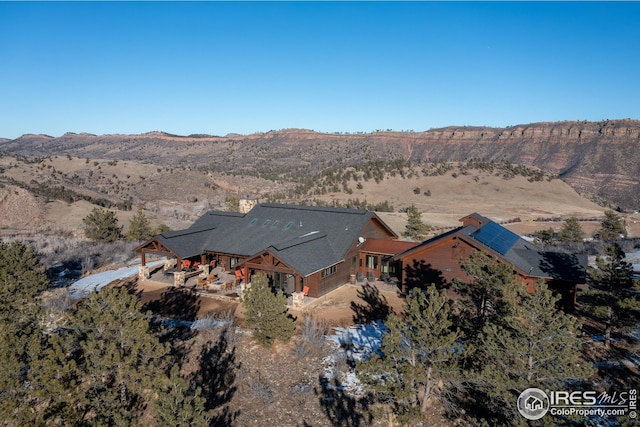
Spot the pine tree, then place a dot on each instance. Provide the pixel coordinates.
(139, 227)
(571, 231)
(612, 300)
(535, 346)
(543, 237)
(54, 381)
(415, 228)
(612, 226)
(417, 353)
(22, 279)
(177, 405)
(266, 311)
(488, 297)
(102, 225)
(117, 354)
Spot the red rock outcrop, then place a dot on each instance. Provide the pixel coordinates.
(599, 159)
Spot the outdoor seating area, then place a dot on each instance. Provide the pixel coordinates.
(198, 278)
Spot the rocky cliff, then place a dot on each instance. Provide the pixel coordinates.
(599, 159)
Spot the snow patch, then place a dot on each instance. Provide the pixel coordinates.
(357, 342)
(93, 283)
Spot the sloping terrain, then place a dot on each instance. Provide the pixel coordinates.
(600, 160)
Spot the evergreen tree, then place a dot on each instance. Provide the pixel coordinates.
(54, 379)
(488, 297)
(535, 346)
(177, 405)
(543, 237)
(612, 226)
(415, 228)
(612, 300)
(118, 357)
(417, 354)
(571, 231)
(266, 311)
(22, 279)
(102, 225)
(139, 226)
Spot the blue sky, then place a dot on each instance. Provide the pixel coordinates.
(244, 67)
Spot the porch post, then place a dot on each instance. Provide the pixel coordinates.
(143, 258)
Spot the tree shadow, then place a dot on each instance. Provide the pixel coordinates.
(375, 306)
(421, 275)
(175, 303)
(216, 376)
(342, 409)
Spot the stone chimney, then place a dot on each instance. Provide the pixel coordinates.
(247, 203)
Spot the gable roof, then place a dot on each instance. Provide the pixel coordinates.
(513, 249)
(305, 237)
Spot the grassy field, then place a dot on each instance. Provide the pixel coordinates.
(178, 195)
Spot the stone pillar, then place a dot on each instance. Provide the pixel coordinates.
(143, 272)
(168, 263)
(178, 279)
(205, 270)
(297, 299)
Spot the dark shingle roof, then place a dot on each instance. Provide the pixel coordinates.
(306, 238)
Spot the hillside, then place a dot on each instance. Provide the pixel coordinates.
(599, 160)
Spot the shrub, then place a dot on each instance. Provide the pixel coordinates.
(266, 311)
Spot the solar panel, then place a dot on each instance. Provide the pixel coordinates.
(496, 237)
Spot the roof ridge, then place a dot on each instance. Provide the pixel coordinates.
(314, 208)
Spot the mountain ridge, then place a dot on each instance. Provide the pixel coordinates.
(600, 160)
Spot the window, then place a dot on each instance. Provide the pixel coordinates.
(329, 271)
(266, 222)
(372, 262)
(233, 262)
(288, 226)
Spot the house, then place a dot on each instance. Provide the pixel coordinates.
(437, 260)
(315, 249)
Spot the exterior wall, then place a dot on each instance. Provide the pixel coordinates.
(362, 265)
(342, 275)
(437, 263)
(373, 229)
(471, 220)
(313, 283)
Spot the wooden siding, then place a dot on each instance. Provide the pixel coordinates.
(438, 263)
(374, 229)
(341, 276)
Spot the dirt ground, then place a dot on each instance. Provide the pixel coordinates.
(340, 307)
(255, 386)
